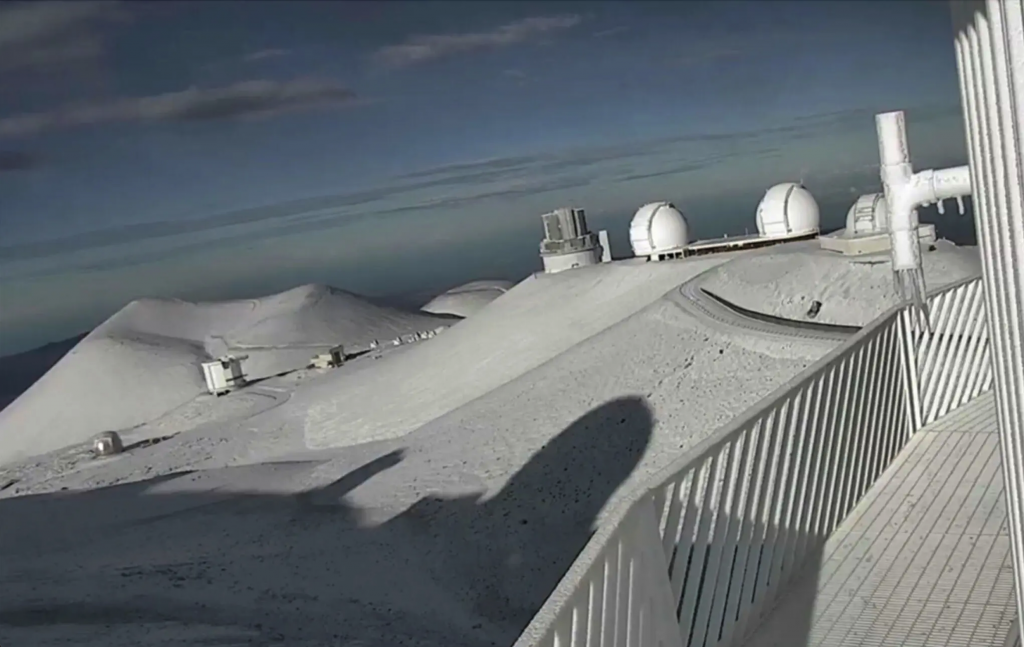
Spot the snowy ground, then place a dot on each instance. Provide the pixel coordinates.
(783, 281)
(534, 322)
(144, 361)
(455, 482)
(466, 300)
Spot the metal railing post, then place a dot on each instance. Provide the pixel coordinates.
(990, 62)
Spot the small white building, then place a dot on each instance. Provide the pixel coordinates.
(788, 210)
(224, 374)
(659, 231)
(867, 229)
(567, 242)
(606, 246)
(331, 359)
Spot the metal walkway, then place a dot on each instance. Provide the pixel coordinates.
(924, 559)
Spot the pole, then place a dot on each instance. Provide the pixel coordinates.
(990, 62)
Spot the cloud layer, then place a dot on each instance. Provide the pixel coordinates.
(245, 99)
(42, 34)
(425, 48)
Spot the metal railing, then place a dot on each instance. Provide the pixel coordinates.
(952, 352)
(702, 555)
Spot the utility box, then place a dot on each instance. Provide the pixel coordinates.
(331, 359)
(224, 374)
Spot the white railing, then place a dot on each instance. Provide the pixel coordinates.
(700, 557)
(952, 352)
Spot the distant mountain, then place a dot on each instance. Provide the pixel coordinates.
(20, 371)
(145, 360)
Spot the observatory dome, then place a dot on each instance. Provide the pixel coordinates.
(787, 209)
(658, 227)
(868, 215)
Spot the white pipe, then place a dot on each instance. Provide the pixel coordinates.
(905, 191)
(945, 183)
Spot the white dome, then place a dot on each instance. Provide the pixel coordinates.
(787, 209)
(868, 215)
(658, 227)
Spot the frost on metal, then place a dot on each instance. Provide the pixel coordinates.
(905, 191)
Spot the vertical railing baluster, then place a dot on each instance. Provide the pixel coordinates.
(723, 519)
(814, 439)
(878, 421)
(731, 540)
(690, 600)
(798, 452)
(676, 506)
(778, 495)
(850, 438)
(909, 369)
(821, 471)
(680, 567)
(865, 471)
(748, 532)
(839, 396)
(950, 361)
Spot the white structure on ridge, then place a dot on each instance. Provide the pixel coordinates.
(868, 215)
(567, 241)
(224, 374)
(867, 229)
(788, 210)
(659, 231)
(333, 358)
(606, 246)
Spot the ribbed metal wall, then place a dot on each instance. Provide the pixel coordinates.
(990, 61)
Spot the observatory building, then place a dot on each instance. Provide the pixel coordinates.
(867, 229)
(567, 241)
(224, 374)
(659, 232)
(788, 210)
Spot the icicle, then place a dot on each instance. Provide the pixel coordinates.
(910, 288)
(907, 270)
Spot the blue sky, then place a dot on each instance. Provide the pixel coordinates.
(211, 150)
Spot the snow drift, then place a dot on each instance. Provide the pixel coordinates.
(536, 320)
(466, 300)
(783, 281)
(144, 361)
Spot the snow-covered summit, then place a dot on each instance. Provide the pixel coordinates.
(145, 359)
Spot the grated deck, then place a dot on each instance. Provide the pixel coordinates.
(924, 559)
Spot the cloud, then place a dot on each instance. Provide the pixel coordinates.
(424, 48)
(246, 99)
(264, 54)
(16, 161)
(41, 34)
(605, 33)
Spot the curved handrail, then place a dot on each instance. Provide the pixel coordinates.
(781, 321)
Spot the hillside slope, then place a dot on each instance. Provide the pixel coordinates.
(535, 321)
(466, 300)
(145, 360)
